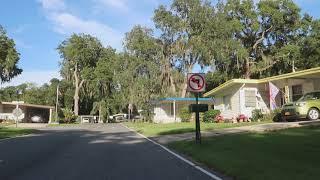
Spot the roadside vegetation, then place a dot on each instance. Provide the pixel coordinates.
(7, 132)
(152, 129)
(287, 154)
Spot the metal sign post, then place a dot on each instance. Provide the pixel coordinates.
(198, 132)
(196, 84)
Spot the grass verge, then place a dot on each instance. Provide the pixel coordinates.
(286, 154)
(152, 129)
(8, 132)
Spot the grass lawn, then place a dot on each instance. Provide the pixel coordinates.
(286, 154)
(152, 129)
(7, 132)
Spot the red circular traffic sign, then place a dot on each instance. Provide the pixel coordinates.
(198, 80)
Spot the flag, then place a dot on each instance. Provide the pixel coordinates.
(273, 91)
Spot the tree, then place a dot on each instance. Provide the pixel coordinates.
(182, 34)
(103, 84)
(9, 57)
(79, 54)
(141, 43)
(143, 67)
(309, 48)
(257, 40)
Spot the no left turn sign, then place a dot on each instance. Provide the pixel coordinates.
(196, 82)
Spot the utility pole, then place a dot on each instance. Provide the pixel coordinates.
(57, 101)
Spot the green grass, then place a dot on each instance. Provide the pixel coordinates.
(152, 129)
(286, 154)
(7, 132)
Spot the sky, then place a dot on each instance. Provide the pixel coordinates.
(39, 26)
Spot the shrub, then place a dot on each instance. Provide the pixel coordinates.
(257, 115)
(185, 115)
(210, 115)
(274, 115)
(69, 116)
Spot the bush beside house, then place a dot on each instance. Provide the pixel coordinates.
(210, 116)
(274, 115)
(185, 115)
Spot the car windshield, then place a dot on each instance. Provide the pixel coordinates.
(310, 96)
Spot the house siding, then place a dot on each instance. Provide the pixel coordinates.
(163, 114)
(262, 93)
(162, 111)
(316, 83)
(234, 102)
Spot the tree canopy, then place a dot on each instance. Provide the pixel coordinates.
(9, 57)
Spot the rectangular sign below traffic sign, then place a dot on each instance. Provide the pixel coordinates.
(196, 82)
(198, 107)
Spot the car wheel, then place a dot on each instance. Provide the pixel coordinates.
(313, 114)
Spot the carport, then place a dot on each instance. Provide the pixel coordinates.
(29, 111)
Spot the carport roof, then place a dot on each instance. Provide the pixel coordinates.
(28, 105)
(307, 72)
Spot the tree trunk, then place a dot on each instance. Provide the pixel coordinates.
(78, 85)
(184, 89)
(172, 84)
(76, 100)
(185, 85)
(247, 72)
(99, 113)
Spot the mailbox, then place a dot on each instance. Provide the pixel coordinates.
(199, 107)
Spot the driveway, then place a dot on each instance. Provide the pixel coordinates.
(91, 152)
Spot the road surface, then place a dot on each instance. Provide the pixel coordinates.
(91, 152)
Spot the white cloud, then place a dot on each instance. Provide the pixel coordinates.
(66, 24)
(37, 77)
(53, 4)
(118, 4)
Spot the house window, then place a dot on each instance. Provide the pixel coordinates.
(227, 102)
(296, 92)
(250, 98)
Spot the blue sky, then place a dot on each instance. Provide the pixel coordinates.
(38, 26)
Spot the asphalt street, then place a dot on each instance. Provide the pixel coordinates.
(92, 152)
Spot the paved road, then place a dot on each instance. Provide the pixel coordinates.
(93, 152)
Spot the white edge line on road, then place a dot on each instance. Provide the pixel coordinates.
(213, 176)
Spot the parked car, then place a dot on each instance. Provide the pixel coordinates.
(36, 119)
(308, 106)
(119, 117)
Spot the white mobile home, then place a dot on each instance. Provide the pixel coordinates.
(166, 110)
(241, 96)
